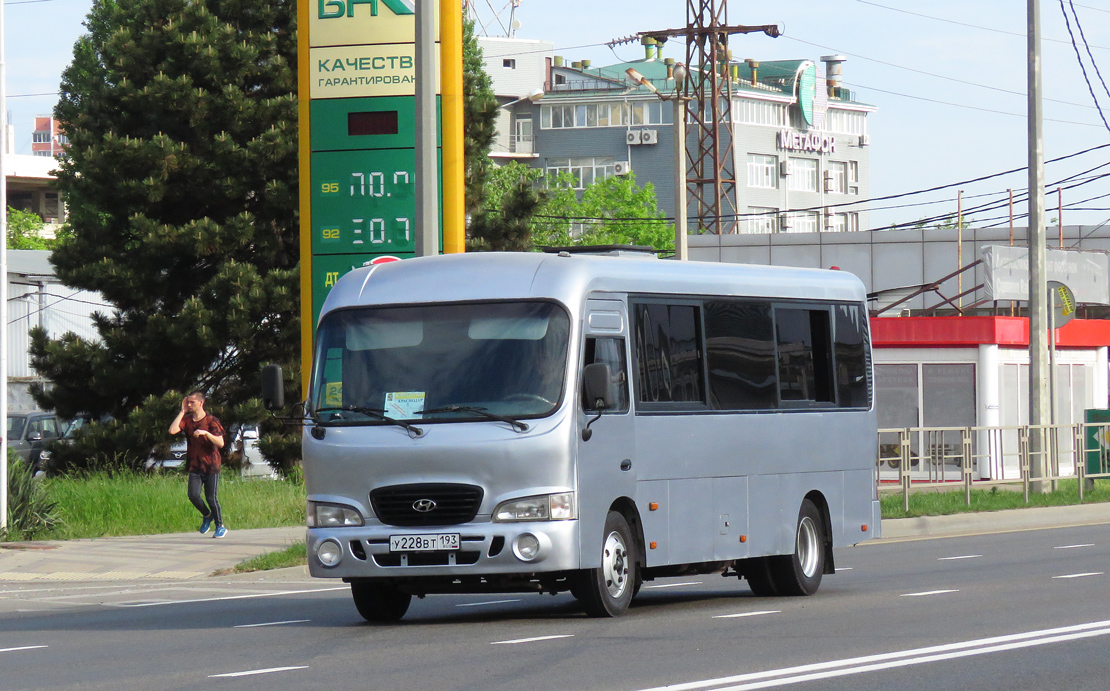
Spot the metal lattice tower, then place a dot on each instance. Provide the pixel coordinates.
(710, 172)
(492, 18)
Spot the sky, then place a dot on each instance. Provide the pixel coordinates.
(948, 79)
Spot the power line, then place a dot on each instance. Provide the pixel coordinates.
(1079, 59)
(971, 26)
(930, 74)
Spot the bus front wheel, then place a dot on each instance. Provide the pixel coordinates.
(607, 591)
(800, 573)
(379, 602)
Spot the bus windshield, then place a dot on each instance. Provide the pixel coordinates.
(440, 362)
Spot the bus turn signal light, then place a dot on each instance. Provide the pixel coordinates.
(863, 527)
(743, 538)
(653, 506)
(653, 545)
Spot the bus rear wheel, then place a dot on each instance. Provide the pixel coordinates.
(800, 573)
(608, 590)
(379, 602)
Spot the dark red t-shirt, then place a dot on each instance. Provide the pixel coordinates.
(201, 455)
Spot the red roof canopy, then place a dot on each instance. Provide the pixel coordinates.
(953, 332)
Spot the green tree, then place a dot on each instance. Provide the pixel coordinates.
(610, 211)
(506, 222)
(479, 120)
(181, 179)
(25, 230)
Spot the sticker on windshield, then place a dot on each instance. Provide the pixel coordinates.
(333, 393)
(404, 404)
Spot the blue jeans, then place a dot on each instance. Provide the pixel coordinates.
(211, 482)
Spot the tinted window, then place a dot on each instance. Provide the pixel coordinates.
(668, 354)
(851, 356)
(611, 352)
(803, 337)
(740, 350)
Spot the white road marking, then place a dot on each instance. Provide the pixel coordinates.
(272, 623)
(25, 647)
(844, 568)
(928, 592)
(479, 604)
(671, 585)
(1085, 544)
(1080, 575)
(964, 556)
(904, 658)
(533, 640)
(256, 671)
(216, 599)
(747, 614)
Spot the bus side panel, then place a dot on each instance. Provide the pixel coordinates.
(657, 522)
(692, 520)
(769, 531)
(859, 492)
(730, 501)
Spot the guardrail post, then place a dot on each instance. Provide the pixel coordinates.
(1023, 458)
(965, 433)
(904, 467)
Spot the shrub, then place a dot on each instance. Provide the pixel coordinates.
(30, 512)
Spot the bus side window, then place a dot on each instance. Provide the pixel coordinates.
(852, 353)
(805, 354)
(611, 352)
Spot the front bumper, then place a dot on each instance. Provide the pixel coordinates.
(486, 549)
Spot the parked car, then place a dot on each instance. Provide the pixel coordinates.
(28, 433)
(246, 443)
(174, 458)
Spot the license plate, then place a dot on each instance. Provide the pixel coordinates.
(438, 542)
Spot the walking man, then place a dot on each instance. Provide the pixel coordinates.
(204, 437)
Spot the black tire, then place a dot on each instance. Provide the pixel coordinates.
(758, 573)
(607, 591)
(800, 573)
(379, 602)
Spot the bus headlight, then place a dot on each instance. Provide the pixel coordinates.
(332, 516)
(329, 553)
(544, 507)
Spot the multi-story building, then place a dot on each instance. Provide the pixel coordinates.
(48, 138)
(799, 149)
(517, 69)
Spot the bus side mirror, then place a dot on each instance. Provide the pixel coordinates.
(597, 379)
(273, 388)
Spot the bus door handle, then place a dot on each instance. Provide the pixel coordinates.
(626, 464)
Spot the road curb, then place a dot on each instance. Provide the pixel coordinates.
(984, 522)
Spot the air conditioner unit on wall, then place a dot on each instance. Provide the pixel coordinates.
(634, 137)
(864, 139)
(622, 168)
(828, 181)
(649, 136)
(784, 168)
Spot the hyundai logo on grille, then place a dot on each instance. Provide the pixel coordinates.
(424, 505)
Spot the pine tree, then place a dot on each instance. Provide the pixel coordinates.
(181, 180)
(479, 120)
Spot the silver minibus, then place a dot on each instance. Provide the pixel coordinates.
(531, 422)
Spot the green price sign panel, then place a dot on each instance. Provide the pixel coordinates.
(327, 268)
(363, 202)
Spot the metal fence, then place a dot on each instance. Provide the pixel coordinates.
(975, 457)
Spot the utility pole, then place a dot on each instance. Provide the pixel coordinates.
(1039, 401)
(427, 176)
(3, 277)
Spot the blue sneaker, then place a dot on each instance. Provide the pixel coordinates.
(220, 531)
(206, 525)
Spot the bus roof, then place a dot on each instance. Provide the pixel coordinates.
(568, 278)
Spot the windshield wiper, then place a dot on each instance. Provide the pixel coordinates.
(379, 414)
(517, 424)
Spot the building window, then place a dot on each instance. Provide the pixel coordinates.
(836, 223)
(509, 63)
(40, 137)
(853, 222)
(836, 177)
(763, 171)
(753, 112)
(41, 153)
(585, 170)
(846, 122)
(602, 115)
(803, 175)
(560, 79)
(801, 222)
(853, 177)
(760, 220)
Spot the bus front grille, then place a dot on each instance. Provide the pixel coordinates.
(426, 504)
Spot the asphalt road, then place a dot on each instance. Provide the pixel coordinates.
(1023, 610)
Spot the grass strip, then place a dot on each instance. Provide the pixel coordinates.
(293, 555)
(102, 505)
(939, 503)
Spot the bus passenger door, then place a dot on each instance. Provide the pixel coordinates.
(607, 462)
